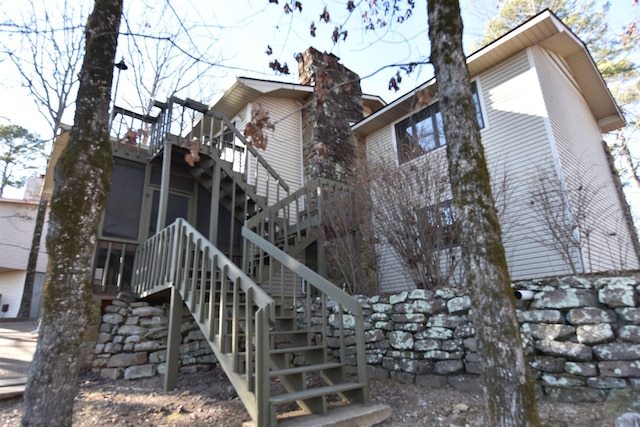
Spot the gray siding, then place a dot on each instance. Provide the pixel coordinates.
(518, 149)
(585, 167)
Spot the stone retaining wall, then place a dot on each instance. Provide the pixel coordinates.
(132, 342)
(581, 337)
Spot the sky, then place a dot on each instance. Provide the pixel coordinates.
(235, 35)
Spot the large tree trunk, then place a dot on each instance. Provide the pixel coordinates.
(509, 396)
(80, 189)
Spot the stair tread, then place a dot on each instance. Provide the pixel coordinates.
(304, 368)
(314, 392)
(297, 349)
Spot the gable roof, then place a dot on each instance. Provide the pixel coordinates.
(245, 89)
(546, 30)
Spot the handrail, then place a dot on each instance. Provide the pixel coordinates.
(341, 309)
(222, 299)
(310, 277)
(296, 214)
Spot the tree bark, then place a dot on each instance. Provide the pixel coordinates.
(508, 393)
(81, 184)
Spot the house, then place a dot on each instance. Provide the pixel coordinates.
(17, 225)
(542, 108)
(200, 215)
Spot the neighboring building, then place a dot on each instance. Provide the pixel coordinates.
(542, 108)
(17, 224)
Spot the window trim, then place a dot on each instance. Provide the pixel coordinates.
(431, 111)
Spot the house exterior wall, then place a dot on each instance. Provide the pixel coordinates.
(17, 222)
(585, 166)
(536, 124)
(11, 286)
(283, 151)
(518, 148)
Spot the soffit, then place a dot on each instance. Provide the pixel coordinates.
(545, 30)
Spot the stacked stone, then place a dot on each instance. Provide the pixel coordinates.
(132, 342)
(581, 337)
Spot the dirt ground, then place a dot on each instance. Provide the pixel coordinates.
(207, 399)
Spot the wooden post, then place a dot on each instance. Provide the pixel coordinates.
(174, 340)
(215, 203)
(164, 187)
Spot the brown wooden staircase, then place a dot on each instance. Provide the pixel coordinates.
(258, 318)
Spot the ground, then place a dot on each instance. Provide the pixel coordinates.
(207, 399)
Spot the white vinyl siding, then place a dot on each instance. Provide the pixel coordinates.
(11, 285)
(585, 165)
(283, 151)
(518, 149)
(17, 222)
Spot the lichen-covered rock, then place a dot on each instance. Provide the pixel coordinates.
(617, 351)
(401, 340)
(620, 369)
(565, 298)
(397, 298)
(563, 380)
(589, 315)
(595, 334)
(541, 331)
(448, 367)
(618, 294)
(548, 364)
(459, 304)
(585, 369)
(630, 315)
(629, 333)
(539, 316)
(435, 333)
(570, 350)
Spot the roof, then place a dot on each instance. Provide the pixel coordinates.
(246, 90)
(546, 30)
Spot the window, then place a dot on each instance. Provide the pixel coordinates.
(423, 131)
(438, 226)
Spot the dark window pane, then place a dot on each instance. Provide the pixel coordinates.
(177, 207)
(124, 203)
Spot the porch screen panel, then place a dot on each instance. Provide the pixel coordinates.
(177, 207)
(124, 203)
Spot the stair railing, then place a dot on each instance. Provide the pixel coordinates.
(233, 312)
(337, 308)
(288, 221)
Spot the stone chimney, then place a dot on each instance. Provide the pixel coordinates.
(328, 145)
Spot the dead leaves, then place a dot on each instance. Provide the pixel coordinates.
(279, 68)
(255, 129)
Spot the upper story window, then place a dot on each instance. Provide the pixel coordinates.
(423, 131)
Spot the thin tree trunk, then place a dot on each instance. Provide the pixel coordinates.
(508, 393)
(32, 263)
(80, 189)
